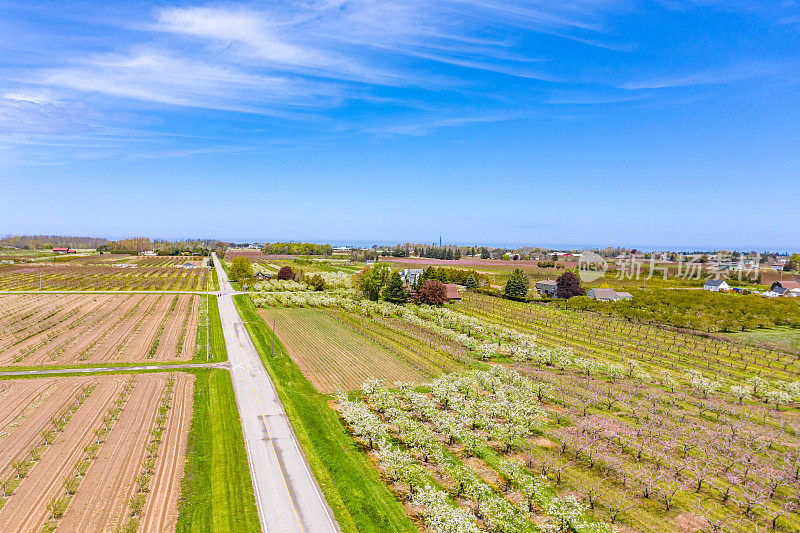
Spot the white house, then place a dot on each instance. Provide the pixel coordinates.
(716, 285)
(410, 275)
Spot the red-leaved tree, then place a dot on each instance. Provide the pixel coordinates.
(432, 292)
(286, 273)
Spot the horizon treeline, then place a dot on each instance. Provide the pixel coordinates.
(44, 242)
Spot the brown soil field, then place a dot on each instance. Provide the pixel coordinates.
(101, 501)
(330, 355)
(102, 274)
(96, 328)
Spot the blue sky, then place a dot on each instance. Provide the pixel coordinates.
(586, 122)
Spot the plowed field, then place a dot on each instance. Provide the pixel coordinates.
(107, 425)
(96, 328)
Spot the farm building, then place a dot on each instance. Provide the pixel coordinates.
(607, 295)
(789, 285)
(262, 276)
(63, 250)
(716, 285)
(547, 287)
(452, 292)
(410, 275)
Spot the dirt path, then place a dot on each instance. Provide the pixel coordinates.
(27, 510)
(102, 500)
(161, 507)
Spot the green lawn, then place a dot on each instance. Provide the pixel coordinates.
(216, 338)
(361, 502)
(216, 492)
(780, 335)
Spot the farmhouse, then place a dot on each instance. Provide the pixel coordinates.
(262, 276)
(716, 285)
(410, 275)
(607, 295)
(547, 287)
(452, 292)
(788, 285)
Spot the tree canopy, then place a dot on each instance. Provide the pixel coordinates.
(372, 280)
(517, 285)
(394, 291)
(240, 269)
(432, 292)
(568, 285)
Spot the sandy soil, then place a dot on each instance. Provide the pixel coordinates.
(110, 478)
(161, 507)
(94, 328)
(26, 509)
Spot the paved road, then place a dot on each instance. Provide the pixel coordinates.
(287, 496)
(92, 370)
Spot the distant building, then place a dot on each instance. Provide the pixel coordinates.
(716, 285)
(262, 276)
(149, 253)
(452, 292)
(411, 275)
(370, 262)
(63, 250)
(547, 287)
(788, 285)
(607, 295)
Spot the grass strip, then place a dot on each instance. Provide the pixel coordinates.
(216, 491)
(219, 352)
(360, 501)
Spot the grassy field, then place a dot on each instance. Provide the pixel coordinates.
(353, 489)
(217, 493)
(784, 336)
(331, 356)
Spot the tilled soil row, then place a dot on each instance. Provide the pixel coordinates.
(102, 499)
(26, 509)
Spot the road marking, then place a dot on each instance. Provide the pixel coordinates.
(263, 416)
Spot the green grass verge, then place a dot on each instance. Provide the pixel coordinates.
(216, 491)
(219, 353)
(214, 280)
(361, 502)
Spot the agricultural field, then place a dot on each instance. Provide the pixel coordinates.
(102, 274)
(93, 453)
(786, 337)
(581, 422)
(335, 353)
(48, 329)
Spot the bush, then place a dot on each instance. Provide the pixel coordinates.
(315, 282)
(285, 272)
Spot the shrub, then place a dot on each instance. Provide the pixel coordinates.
(285, 272)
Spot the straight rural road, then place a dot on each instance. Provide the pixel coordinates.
(287, 495)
